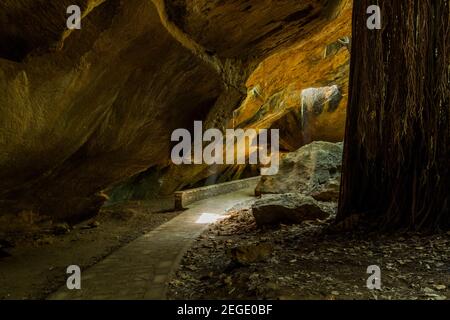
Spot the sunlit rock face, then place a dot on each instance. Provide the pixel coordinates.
(86, 109)
(303, 90)
(278, 95)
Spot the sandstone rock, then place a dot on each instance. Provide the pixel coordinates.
(316, 100)
(288, 208)
(84, 110)
(329, 191)
(312, 170)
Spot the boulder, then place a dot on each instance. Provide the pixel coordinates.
(312, 170)
(290, 208)
(329, 191)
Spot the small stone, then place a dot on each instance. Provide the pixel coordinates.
(428, 290)
(61, 228)
(434, 296)
(251, 253)
(228, 281)
(91, 225)
(440, 287)
(191, 267)
(94, 224)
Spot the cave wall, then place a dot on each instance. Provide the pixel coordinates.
(83, 110)
(273, 97)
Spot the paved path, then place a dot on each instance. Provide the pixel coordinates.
(142, 268)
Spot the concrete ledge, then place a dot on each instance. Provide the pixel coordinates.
(186, 197)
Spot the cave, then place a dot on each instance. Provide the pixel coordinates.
(225, 150)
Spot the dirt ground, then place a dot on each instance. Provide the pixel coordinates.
(236, 260)
(35, 263)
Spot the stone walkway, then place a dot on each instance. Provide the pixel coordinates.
(142, 268)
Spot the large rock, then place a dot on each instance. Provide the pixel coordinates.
(83, 110)
(313, 170)
(288, 208)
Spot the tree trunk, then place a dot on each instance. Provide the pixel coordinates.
(397, 141)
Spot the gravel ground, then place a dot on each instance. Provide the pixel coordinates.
(236, 260)
(36, 264)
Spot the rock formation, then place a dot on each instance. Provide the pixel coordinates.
(313, 170)
(289, 208)
(83, 110)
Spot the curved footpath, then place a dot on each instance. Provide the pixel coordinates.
(143, 268)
